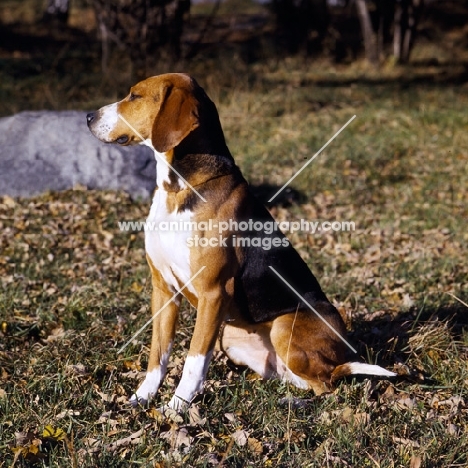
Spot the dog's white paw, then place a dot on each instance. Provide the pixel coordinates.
(148, 388)
(178, 404)
(135, 400)
(175, 406)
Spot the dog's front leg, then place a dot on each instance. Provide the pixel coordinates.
(164, 325)
(209, 319)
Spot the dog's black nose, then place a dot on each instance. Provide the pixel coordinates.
(90, 117)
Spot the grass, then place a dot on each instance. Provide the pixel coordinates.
(73, 288)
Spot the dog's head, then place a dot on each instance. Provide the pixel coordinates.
(164, 109)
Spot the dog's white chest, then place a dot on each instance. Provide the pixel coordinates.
(166, 242)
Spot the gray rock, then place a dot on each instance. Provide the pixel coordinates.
(49, 151)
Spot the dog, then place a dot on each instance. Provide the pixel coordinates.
(256, 300)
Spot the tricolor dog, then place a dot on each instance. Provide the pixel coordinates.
(261, 306)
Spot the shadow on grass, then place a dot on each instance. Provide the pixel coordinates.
(285, 198)
(444, 74)
(387, 341)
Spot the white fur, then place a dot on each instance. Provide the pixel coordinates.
(168, 250)
(369, 369)
(163, 167)
(264, 361)
(153, 379)
(170, 254)
(108, 118)
(255, 358)
(163, 170)
(192, 380)
(284, 373)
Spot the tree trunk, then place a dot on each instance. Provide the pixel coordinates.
(370, 37)
(147, 29)
(407, 14)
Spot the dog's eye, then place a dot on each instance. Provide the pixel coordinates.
(133, 96)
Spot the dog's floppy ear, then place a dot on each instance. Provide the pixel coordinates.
(176, 118)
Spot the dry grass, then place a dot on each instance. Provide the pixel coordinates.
(73, 288)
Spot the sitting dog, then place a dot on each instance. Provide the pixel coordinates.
(257, 298)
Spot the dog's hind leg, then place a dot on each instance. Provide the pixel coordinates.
(308, 348)
(249, 345)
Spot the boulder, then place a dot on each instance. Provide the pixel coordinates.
(50, 151)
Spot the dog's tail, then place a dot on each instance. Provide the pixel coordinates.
(351, 368)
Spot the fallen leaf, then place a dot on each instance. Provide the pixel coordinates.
(415, 461)
(407, 301)
(403, 441)
(8, 201)
(177, 437)
(240, 437)
(155, 414)
(255, 445)
(406, 403)
(132, 365)
(171, 414)
(452, 429)
(54, 433)
(24, 438)
(27, 445)
(347, 414)
(66, 413)
(137, 287)
(231, 417)
(105, 397)
(132, 439)
(134, 375)
(453, 402)
(56, 334)
(77, 369)
(195, 417)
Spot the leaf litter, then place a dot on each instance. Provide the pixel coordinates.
(71, 281)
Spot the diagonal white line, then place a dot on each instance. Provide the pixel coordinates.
(458, 299)
(161, 309)
(313, 157)
(311, 308)
(159, 157)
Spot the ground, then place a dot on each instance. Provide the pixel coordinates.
(74, 288)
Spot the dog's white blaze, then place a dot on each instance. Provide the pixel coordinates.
(192, 380)
(162, 170)
(369, 369)
(108, 118)
(168, 249)
(153, 379)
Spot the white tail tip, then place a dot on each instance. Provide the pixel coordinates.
(369, 369)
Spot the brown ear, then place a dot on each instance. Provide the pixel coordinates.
(177, 117)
